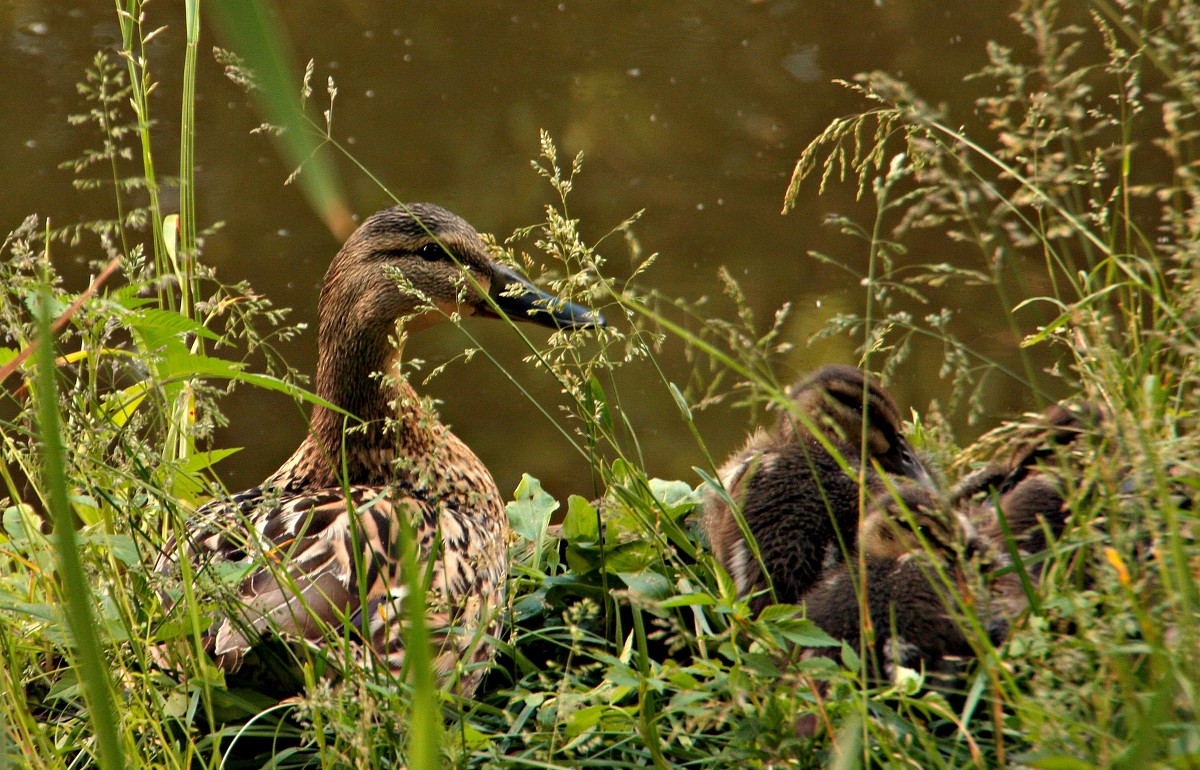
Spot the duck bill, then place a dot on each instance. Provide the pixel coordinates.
(520, 300)
(908, 464)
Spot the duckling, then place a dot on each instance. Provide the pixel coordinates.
(320, 539)
(834, 398)
(907, 535)
(1028, 495)
(798, 502)
(1035, 442)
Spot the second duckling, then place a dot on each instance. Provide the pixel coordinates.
(799, 502)
(1024, 495)
(910, 542)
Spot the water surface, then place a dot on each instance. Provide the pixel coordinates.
(695, 113)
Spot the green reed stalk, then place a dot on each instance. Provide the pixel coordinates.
(425, 718)
(77, 594)
(187, 166)
(130, 19)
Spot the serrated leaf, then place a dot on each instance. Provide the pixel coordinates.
(850, 658)
(156, 319)
(776, 612)
(267, 382)
(805, 633)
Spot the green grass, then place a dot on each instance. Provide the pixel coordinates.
(626, 646)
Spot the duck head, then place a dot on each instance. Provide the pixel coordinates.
(411, 266)
(835, 398)
(421, 263)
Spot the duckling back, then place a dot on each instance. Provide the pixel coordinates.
(1023, 491)
(911, 546)
(801, 508)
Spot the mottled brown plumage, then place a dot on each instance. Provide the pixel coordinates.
(321, 539)
(798, 501)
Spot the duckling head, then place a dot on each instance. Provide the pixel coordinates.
(837, 397)
(908, 518)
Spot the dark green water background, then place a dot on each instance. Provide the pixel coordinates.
(695, 112)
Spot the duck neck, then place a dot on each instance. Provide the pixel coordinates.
(359, 374)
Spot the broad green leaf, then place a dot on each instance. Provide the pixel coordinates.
(647, 583)
(86, 509)
(688, 600)
(674, 494)
(529, 512)
(120, 406)
(630, 557)
(22, 523)
(203, 460)
(581, 524)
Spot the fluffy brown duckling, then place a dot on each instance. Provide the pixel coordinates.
(320, 540)
(909, 540)
(1023, 490)
(799, 503)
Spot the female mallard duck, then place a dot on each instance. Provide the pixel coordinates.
(320, 540)
(908, 540)
(799, 503)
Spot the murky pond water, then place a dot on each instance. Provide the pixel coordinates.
(694, 113)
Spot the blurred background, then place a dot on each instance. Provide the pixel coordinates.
(695, 113)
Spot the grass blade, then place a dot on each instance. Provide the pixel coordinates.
(97, 689)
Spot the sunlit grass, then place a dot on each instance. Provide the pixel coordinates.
(625, 644)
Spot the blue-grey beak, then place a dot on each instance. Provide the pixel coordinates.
(520, 300)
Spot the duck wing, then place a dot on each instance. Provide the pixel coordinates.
(323, 564)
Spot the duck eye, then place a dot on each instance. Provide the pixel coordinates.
(431, 252)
